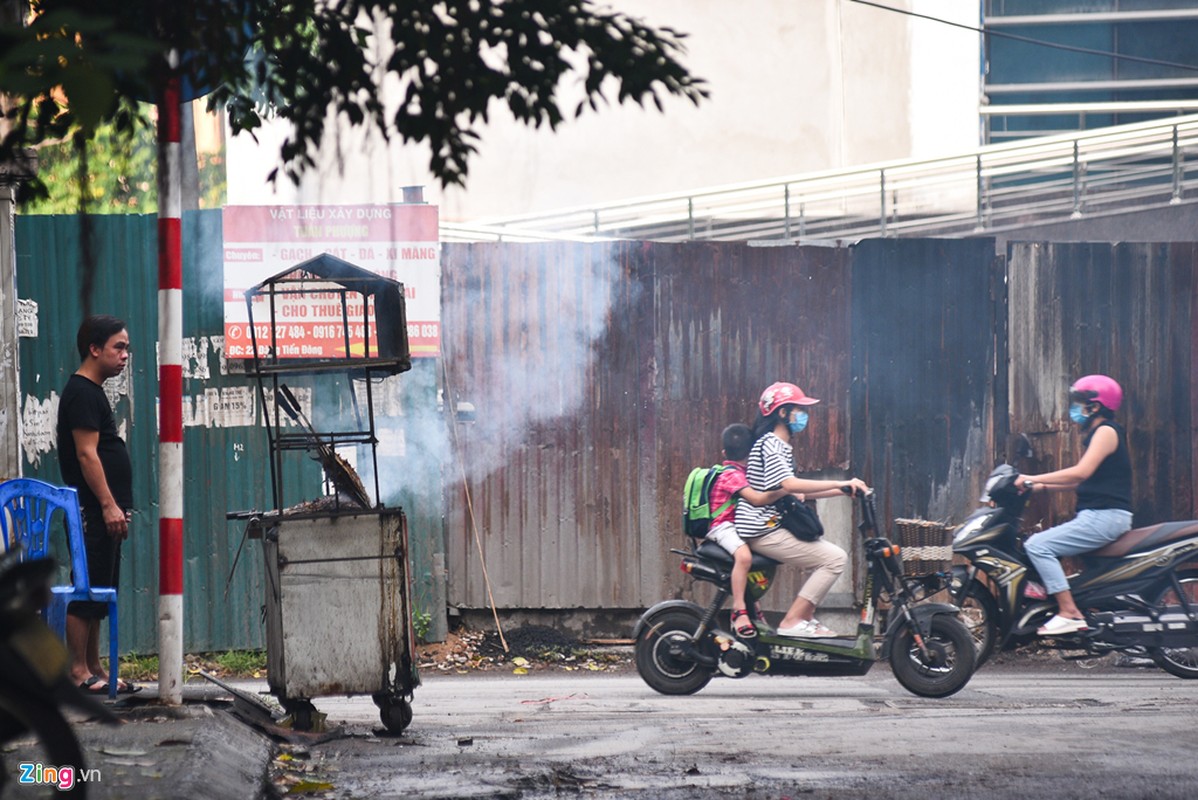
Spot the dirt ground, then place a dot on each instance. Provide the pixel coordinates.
(521, 651)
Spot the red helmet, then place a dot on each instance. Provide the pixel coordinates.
(782, 394)
(1097, 388)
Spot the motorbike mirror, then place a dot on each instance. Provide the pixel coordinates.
(1023, 447)
(1001, 481)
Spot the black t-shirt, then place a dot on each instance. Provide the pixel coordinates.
(1110, 485)
(84, 405)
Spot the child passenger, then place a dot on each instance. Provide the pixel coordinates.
(730, 485)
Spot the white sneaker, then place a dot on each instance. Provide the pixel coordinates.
(807, 629)
(1059, 626)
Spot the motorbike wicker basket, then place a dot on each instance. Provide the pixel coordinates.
(926, 545)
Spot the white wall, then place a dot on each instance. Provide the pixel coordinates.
(796, 86)
(946, 78)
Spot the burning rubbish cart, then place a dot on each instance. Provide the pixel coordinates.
(338, 587)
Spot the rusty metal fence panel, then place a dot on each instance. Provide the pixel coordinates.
(603, 373)
(927, 342)
(548, 486)
(731, 319)
(1125, 310)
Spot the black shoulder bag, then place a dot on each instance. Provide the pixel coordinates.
(799, 518)
(794, 515)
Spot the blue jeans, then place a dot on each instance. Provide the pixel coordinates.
(1089, 530)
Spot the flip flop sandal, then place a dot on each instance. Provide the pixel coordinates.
(742, 624)
(94, 685)
(123, 687)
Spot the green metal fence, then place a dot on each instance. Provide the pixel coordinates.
(226, 465)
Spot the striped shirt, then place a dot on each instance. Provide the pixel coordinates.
(770, 462)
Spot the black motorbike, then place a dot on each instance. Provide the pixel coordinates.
(680, 648)
(1139, 593)
(36, 681)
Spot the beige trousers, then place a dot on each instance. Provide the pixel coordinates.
(825, 560)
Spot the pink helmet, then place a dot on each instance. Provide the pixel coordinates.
(1097, 387)
(782, 394)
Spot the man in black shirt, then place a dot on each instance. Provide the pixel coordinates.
(93, 459)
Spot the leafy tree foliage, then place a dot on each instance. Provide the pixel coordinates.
(82, 64)
(119, 176)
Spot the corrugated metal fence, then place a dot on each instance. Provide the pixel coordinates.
(601, 373)
(225, 467)
(1126, 310)
(604, 373)
(925, 353)
(225, 446)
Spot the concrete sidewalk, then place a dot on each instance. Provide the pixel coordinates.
(199, 750)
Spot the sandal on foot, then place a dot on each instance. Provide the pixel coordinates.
(1058, 626)
(742, 625)
(123, 687)
(759, 619)
(94, 685)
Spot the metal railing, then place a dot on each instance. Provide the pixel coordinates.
(995, 188)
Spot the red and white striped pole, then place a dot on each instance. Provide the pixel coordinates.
(170, 399)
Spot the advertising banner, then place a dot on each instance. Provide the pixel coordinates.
(398, 241)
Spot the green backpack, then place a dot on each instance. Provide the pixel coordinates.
(697, 513)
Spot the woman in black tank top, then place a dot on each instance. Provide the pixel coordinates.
(1102, 478)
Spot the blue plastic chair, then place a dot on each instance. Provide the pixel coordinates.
(27, 508)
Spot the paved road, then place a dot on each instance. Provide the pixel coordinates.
(1017, 733)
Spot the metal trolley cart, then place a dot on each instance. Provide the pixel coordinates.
(338, 584)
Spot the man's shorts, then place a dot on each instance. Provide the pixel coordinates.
(725, 536)
(103, 565)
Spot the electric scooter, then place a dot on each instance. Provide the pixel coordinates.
(679, 647)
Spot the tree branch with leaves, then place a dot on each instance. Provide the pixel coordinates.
(419, 72)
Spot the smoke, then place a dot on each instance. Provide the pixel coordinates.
(535, 323)
(526, 361)
(413, 439)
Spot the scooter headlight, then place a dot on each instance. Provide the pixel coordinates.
(969, 528)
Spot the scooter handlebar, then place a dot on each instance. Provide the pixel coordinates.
(869, 511)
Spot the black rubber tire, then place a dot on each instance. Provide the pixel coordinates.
(979, 614)
(663, 669)
(395, 713)
(1179, 661)
(953, 649)
(301, 711)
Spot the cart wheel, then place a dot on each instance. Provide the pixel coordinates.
(301, 712)
(395, 712)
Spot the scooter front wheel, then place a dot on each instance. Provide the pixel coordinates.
(662, 650)
(944, 668)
